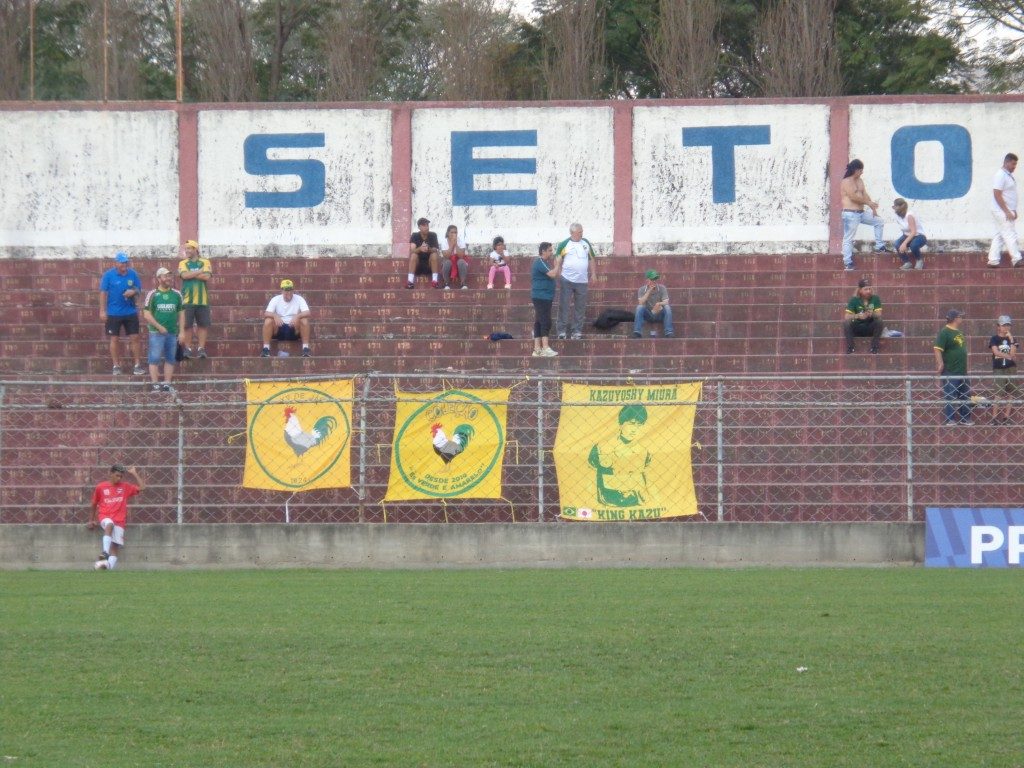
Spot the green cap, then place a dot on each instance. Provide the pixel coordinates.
(652, 274)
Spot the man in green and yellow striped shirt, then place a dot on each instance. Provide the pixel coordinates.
(195, 272)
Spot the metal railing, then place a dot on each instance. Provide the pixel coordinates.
(817, 448)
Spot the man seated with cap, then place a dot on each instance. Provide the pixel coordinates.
(424, 255)
(652, 306)
(863, 316)
(286, 319)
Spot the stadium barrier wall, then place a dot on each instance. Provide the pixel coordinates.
(627, 545)
(708, 176)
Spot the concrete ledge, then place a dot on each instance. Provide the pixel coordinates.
(482, 545)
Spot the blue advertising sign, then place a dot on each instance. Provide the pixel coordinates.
(988, 537)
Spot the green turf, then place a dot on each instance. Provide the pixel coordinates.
(904, 667)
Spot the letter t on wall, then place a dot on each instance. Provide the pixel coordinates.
(723, 140)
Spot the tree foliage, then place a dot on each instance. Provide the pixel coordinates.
(302, 50)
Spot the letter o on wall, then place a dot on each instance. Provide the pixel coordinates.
(956, 162)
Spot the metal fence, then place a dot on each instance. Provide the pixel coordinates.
(763, 449)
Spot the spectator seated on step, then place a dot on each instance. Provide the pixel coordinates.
(424, 255)
(287, 319)
(863, 316)
(652, 306)
(454, 260)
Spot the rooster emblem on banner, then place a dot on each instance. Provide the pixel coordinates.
(299, 439)
(450, 447)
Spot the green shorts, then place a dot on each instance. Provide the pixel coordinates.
(1006, 385)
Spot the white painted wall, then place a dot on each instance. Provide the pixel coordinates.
(994, 128)
(88, 183)
(573, 179)
(781, 188)
(355, 215)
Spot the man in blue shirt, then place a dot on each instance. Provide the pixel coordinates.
(120, 288)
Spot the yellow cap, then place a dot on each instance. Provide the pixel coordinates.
(192, 244)
(285, 284)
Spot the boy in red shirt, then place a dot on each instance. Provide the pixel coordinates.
(110, 512)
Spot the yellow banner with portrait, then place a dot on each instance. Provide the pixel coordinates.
(298, 435)
(623, 453)
(448, 445)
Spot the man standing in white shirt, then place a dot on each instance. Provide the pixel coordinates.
(1004, 212)
(286, 319)
(578, 268)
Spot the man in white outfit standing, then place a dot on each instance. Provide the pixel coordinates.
(1004, 212)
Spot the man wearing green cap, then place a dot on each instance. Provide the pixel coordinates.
(652, 306)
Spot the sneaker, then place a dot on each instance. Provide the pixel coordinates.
(874, 349)
(549, 352)
(539, 353)
(1018, 262)
(490, 286)
(849, 350)
(447, 287)
(265, 352)
(967, 423)
(306, 352)
(101, 565)
(465, 288)
(434, 284)
(906, 265)
(166, 388)
(104, 555)
(508, 286)
(116, 370)
(410, 285)
(990, 265)
(848, 268)
(139, 369)
(637, 335)
(883, 249)
(201, 352)
(654, 334)
(155, 388)
(562, 336)
(919, 264)
(670, 335)
(577, 336)
(187, 354)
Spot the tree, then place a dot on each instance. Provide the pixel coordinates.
(225, 61)
(573, 62)
(685, 48)
(13, 49)
(796, 49)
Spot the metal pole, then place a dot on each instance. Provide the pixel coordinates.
(106, 66)
(32, 50)
(720, 453)
(181, 464)
(909, 409)
(540, 450)
(362, 447)
(179, 75)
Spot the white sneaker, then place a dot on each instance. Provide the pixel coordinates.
(100, 565)
(549, 352)
(539, 353)
(465, 288)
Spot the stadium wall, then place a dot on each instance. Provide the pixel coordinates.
(529, 545)
(713, 176)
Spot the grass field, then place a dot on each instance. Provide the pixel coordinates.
(902, 667)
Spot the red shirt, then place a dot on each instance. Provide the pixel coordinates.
(110, 500)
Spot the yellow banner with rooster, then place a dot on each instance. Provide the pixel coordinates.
(623, 453)
(448, 445)
(298, 435)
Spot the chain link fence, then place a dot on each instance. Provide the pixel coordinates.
(763, 449)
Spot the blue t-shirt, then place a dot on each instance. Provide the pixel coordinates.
(541, 286)
(115, 285)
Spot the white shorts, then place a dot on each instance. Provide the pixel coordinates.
(117, 535)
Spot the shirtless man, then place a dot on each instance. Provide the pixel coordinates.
(855, 197)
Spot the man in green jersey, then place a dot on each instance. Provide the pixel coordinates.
(163, 312)
(195, 272)
(951, 365)
(863, 316)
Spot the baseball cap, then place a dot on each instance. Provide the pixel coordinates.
(117, 468)
(953, 314)
(192, 244)
(1005, 320)
(163, 271)
(422, 221)
(864, 282)
(121, 257)
(286, 284)
(652, 274)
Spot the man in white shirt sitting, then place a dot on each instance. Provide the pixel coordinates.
(286, 319)
(1004, 213)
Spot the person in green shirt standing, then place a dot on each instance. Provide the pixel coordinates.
(951, 365)
(195, 272)
(163, 312)
(863, 316)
